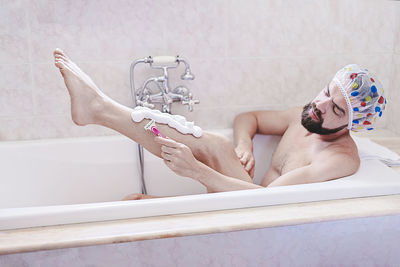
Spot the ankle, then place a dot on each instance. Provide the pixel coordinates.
(98, 107)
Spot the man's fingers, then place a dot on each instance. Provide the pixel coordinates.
(249, 164)
(166, 156)
(244, 158)
(239, 153)
(168, 163)
(167, 149)
(166, 142)
(252, 172)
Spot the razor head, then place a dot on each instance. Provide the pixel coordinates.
(150, 125)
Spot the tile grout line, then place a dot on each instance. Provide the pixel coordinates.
(227, 29)
(27, 18)
(208, 58)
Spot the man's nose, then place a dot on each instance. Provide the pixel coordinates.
(322, 104)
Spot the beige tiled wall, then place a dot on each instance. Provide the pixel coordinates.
(393, 109)
(246, 55)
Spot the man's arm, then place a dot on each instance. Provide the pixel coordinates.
(217, 182)
(271, 122)
(246, 125)
(328, 165)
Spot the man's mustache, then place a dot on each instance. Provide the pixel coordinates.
(316, 111)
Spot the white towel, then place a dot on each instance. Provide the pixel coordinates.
(370, 150)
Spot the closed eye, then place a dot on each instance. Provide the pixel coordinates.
(334, 111)
(335, 106)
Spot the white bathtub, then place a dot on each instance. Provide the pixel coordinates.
(62, 181)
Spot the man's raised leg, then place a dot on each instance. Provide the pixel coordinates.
(89, 105)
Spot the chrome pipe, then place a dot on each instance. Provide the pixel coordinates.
(140, 147)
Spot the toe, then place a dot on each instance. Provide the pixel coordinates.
(58, 51)
(60, 64)
(58, 57)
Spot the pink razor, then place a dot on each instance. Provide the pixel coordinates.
(151, 126)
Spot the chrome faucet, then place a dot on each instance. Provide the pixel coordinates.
(143, 96)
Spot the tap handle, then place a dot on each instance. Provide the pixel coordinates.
(190, 102)
(145, 104)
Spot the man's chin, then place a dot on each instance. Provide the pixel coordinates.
(318, 129)
(313, 128)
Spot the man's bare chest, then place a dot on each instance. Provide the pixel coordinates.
(295, 150)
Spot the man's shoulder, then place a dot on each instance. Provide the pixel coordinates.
(344, 144)
(341, 154)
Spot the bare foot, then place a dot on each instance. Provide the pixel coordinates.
(86, 98)
(138, 196)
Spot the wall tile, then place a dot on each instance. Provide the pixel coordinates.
(254, 82)
(285, 28)
(230, 82)
(256, 29)
(14, 34)
(63, 126)
(44, 127)
(96, 30)
(393, 111)
(18, 129)
(397, 30)
(367, 26)
(16, 90)
(196, 28)
(311, 27)
(50, 94)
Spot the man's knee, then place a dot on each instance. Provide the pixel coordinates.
(215, 147)
(222, 145)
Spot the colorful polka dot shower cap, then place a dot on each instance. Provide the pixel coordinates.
(364, 96)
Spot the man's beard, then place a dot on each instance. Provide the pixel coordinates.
(316, 126)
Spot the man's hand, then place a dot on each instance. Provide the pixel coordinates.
(246, 157)
(178, 157)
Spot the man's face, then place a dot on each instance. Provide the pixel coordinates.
(327, 113)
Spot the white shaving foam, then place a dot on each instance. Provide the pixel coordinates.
(178, 122)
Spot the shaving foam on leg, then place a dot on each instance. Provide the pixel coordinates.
(175, 121)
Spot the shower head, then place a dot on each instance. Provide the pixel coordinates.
(188, 75)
